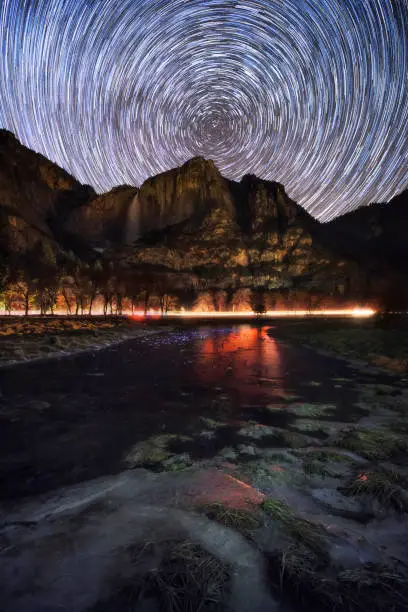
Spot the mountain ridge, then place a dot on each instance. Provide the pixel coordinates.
(191, 221)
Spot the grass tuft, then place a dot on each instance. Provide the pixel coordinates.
(383, 484)
(239, 519)
(301, 531)
(373, 443)
(370, 587)
(313, 467)
(176, 576)
(189, 578)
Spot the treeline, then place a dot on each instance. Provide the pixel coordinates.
(49, 282)
(79, 288)
(102, 288)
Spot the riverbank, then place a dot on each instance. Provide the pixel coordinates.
(25, 339)
(255, 474)
(381, 345)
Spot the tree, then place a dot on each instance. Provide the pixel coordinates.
(241, 300)
(11, 298)
(27, 289)
(313, 301)
(46, 296)
(48, 280)
(167, 302)
(162, 288)
(4, 277)
(204, 302)
(107, 288)
(67, 291)
(220, 300)
(95, 275)
(258, 301)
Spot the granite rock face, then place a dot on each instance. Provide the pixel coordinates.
(194, 223)
(235, 234)
(35, 195)
(127, 213)
(106, 218)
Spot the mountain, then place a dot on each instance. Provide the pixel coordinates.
(378, 229)
(196, 227)
(233, 234)
(105, 218)
(126, 213)
(35, 197)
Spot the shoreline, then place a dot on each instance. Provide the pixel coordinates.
(49, 344)
(348, 347)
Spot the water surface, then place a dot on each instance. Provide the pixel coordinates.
(67, 420)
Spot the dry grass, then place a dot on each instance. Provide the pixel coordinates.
(179, 575)
(369, 588)
(239, 519)
(39, 326)
(387, 347)
(302, 532)
(28, 338)
(373, 443)
(387, 486)
(191, 580)
(314, 467)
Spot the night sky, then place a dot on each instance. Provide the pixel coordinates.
(311, 93)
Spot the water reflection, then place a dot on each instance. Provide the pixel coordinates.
(241, 357)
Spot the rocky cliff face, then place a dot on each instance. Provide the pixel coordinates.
(192, 222)
(126, 213)
(107, 218)
(235, 234)
(35, 195)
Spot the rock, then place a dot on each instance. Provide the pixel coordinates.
(153, 451)
(33, 191)
(247, 451)
(337, 503)
(276, 407)
(177, 462)
(295, 439)
(378, 230)
(211, 423)
(314, 425)
(107, 217)
(229, 454)
(207, 435)
(257, 431)
(311, 410)
(377, 389)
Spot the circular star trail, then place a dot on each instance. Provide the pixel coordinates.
(311, 93)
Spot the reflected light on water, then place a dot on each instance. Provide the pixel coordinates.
(245, 355)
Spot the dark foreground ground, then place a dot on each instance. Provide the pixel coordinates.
(234, 471)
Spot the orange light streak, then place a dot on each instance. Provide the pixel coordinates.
(349, 312)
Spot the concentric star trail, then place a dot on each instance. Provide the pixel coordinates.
(311, 93)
